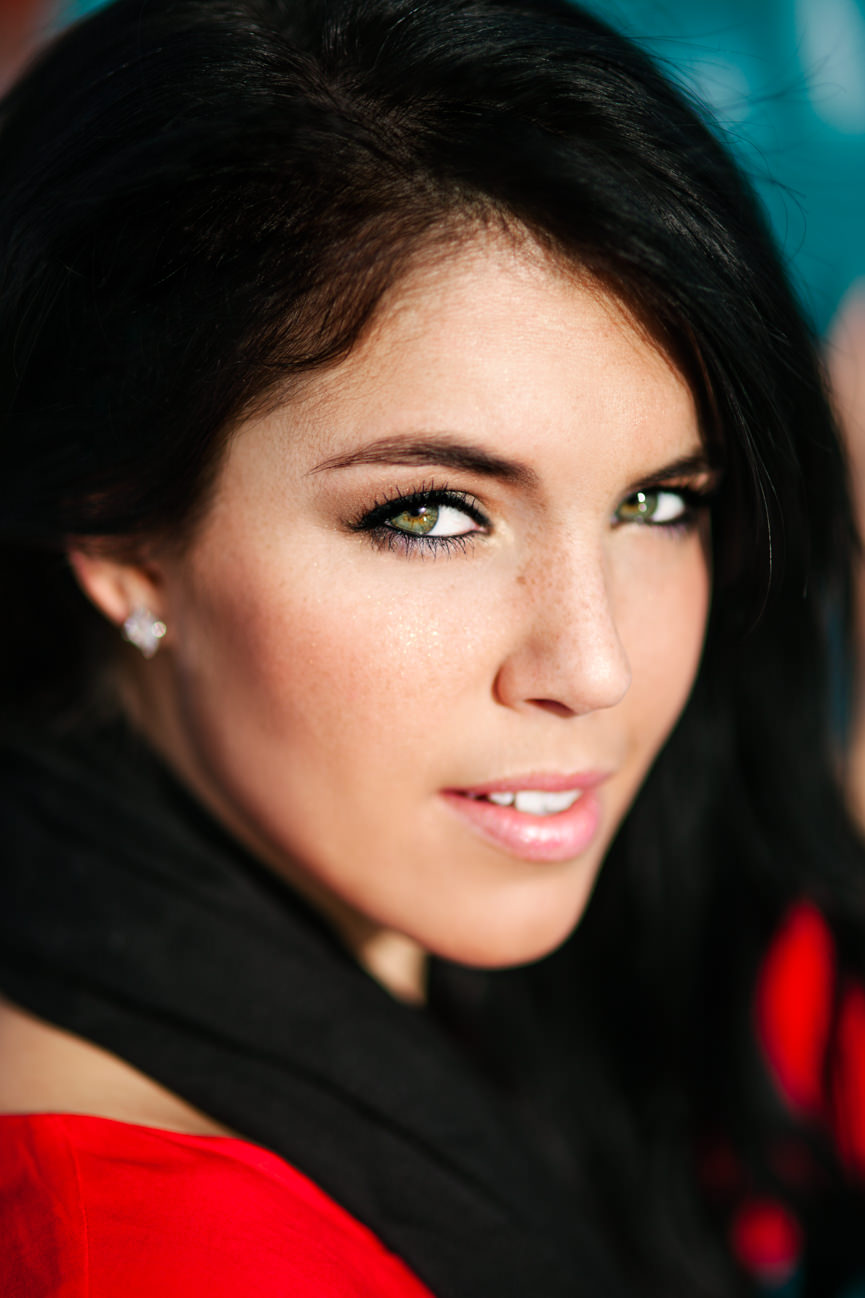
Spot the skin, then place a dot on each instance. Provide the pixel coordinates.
(845, 359)
(318, 689)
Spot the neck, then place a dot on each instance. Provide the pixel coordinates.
(393, 959)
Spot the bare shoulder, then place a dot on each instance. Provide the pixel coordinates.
(44, 1069)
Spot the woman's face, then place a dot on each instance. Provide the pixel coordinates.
(444, 610)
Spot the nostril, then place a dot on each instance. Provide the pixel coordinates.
(553, 705)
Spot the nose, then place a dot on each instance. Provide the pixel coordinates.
(567, 656)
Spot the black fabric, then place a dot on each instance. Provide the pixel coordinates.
(129, 917)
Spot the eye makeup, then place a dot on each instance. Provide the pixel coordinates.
(427, 520)
(673, 507)
(434, 518)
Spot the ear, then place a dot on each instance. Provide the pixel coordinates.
(116, 586)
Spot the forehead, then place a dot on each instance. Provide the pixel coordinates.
(496, 341)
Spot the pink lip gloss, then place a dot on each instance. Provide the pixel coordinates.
(556, 837)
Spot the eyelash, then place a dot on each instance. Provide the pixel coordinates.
(374, 522)
(696, 500)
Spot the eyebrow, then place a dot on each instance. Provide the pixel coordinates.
(436, 450)
(686, 466)
(445, 452)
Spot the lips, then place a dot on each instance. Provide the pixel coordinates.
(537, 817)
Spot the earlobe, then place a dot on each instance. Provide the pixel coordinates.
(118, 588)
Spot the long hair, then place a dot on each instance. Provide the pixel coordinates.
(202, 201)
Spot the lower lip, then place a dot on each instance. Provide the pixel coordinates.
(559, 837)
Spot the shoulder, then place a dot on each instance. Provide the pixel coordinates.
(102, 1207)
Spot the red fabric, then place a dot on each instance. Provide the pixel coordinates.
(92, 1208)
(767, 1238)
(794, 1006)
(812, 1032)
(849, 1079)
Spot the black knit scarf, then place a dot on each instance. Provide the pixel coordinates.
(128, 917)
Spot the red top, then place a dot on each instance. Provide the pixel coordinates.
(92, 1208)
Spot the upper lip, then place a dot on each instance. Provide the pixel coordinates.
(543, 782)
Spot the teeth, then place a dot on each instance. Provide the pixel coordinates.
(532, 802)
(545, 804)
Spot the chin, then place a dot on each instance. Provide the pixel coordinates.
(512, 935)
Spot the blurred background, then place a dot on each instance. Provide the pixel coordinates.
(786, 79)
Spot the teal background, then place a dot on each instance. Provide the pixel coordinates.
(786, 79)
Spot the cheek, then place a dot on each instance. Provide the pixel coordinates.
(662, 628)
(357, 662)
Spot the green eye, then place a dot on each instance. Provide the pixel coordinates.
(416, 522)
(637, 508)
(655, 507)
(425, 518)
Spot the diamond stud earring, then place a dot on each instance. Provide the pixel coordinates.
(144, 630)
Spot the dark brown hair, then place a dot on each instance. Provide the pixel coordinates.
(201, 200)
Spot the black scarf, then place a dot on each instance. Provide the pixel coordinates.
(128, 917)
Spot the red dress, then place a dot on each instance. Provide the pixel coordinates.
(93, 1208)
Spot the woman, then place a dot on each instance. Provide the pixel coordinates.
(372, 370)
